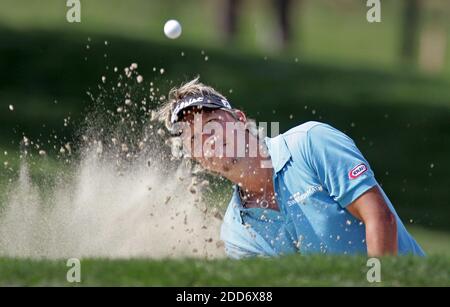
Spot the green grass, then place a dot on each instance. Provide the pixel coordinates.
(432, 241)
(285, 271)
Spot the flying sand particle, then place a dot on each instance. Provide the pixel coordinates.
(192, 189)
(161, 132)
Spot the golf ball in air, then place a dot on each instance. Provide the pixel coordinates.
(172, 29)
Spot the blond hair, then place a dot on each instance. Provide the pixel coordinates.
(195, 87)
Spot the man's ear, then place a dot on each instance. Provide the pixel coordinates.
(241, 116)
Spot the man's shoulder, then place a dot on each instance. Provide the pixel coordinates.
(303, 128)
(301, 132)
(296, 142)
(292, 142)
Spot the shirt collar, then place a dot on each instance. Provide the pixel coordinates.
(258, 213)
(278, 151)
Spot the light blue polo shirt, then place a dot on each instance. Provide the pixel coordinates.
(318, 172)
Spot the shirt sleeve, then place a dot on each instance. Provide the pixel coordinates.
(339, 165)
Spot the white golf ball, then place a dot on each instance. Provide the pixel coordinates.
(172, 29)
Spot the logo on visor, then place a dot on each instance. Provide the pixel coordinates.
(357, 171)
(226, 103)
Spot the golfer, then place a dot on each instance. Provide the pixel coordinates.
(308, 190)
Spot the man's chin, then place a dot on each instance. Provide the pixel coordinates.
(230, 164)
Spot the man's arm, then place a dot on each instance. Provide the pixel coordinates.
(349, 180)
(380, 222)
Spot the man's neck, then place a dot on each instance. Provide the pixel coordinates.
(256, 185)
(249, 175)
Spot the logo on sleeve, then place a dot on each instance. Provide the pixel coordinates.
(357, 171)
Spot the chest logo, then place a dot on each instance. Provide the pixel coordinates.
(299, 198)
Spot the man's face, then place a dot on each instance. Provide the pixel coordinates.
(214, 138)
